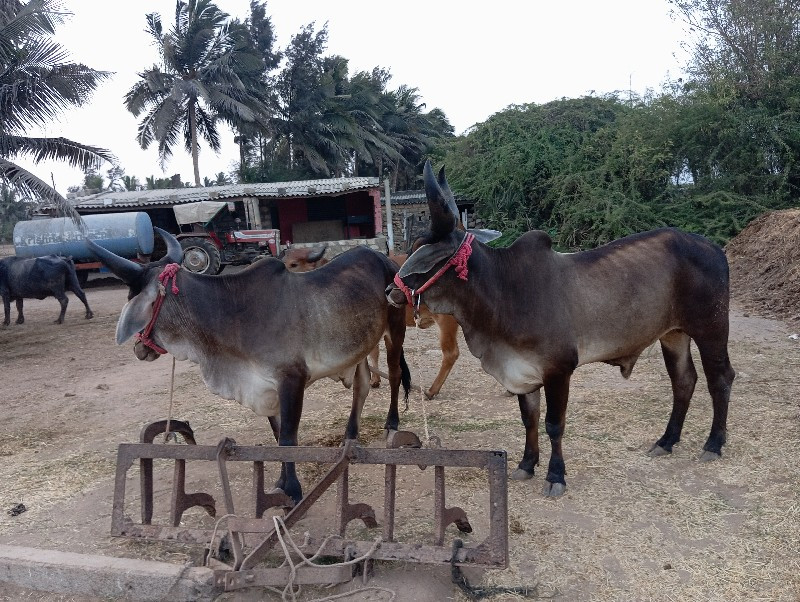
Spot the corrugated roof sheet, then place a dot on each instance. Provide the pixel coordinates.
(176, 196)
(413, 197)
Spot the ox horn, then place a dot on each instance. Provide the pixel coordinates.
(443, 220)
(174, 249)
(129, 271)
(317, 253)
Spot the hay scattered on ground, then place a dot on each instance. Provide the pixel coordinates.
(765, 265)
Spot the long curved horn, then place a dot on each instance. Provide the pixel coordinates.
(174, 249)
(443, 220)
(129, 271)
(448, 195)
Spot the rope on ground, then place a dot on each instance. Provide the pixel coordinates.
(282, 531)
(214, 535)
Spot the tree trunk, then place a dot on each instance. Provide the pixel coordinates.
(193, 135)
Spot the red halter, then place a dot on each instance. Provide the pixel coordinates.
(458, 260)
(170, 271)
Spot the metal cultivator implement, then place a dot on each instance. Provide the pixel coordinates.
(262, 534)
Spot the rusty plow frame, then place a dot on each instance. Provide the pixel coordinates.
(403, 449)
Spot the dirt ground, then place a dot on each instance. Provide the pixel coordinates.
(629, 527)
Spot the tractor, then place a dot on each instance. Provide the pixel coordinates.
(212, 238)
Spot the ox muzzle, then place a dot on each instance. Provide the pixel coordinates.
(395, 296)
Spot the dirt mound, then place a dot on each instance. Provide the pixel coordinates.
(765, 265)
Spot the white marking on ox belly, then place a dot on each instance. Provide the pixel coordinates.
(515, 372)
(237, 380)
(251, 388)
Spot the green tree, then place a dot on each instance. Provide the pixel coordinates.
(196, 83)
(12, 210)
(37, 85)
(130, 182)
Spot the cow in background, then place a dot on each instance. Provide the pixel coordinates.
(261, 336)
(37, 278)
(532, 316)
(304, 259)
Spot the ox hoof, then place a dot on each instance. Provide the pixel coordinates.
(375, 385)
(89, 315)
(520, 474)
(709, 456)
(429, 394)
(554, 489)
(657, 451)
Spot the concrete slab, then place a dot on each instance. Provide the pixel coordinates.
(105, 577)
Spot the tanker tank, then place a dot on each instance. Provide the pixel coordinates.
(126, 234)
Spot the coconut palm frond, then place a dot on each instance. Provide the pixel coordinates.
(28, 185)
(73, 153)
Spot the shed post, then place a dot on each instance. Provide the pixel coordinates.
(389, 224)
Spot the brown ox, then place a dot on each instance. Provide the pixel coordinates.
(263, 335)
(532, 316)
(304, 259)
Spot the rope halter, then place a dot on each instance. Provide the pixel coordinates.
(170, 272)
(459, 262)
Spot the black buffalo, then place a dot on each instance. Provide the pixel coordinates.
(37, 278)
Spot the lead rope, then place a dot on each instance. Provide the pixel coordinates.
(418, 363)
(167, 434)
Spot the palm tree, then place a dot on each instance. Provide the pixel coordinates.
(196, 83)
(12, 210)
(37, 84)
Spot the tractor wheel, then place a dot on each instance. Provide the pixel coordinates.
(200, 256)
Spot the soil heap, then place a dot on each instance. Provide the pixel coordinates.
(765, 265)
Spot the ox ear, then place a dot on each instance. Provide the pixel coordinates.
(443, 220)
(424, 259)
(136, 313)
(448, 195)
(485, 235)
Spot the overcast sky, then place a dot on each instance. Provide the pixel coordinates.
(470, 63)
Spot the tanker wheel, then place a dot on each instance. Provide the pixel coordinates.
(200, 256)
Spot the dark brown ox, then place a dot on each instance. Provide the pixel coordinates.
(263, 335)
(304, 259)
(532, 316)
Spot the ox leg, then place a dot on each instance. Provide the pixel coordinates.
(63, 301)
(291, 401)
(448, 341)
(74, 286)
(360, 391)
(6, 310)
(21, 316)
(719, 375)
(530, 411)
(675, 347)
(395, 362)
(82, 296)
(556, 391)
(374, 357)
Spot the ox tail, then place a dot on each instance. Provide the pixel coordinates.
(405, 375)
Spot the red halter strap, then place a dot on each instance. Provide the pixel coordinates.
(458, 260)
(170, 271)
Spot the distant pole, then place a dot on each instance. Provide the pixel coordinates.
(389, 225)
